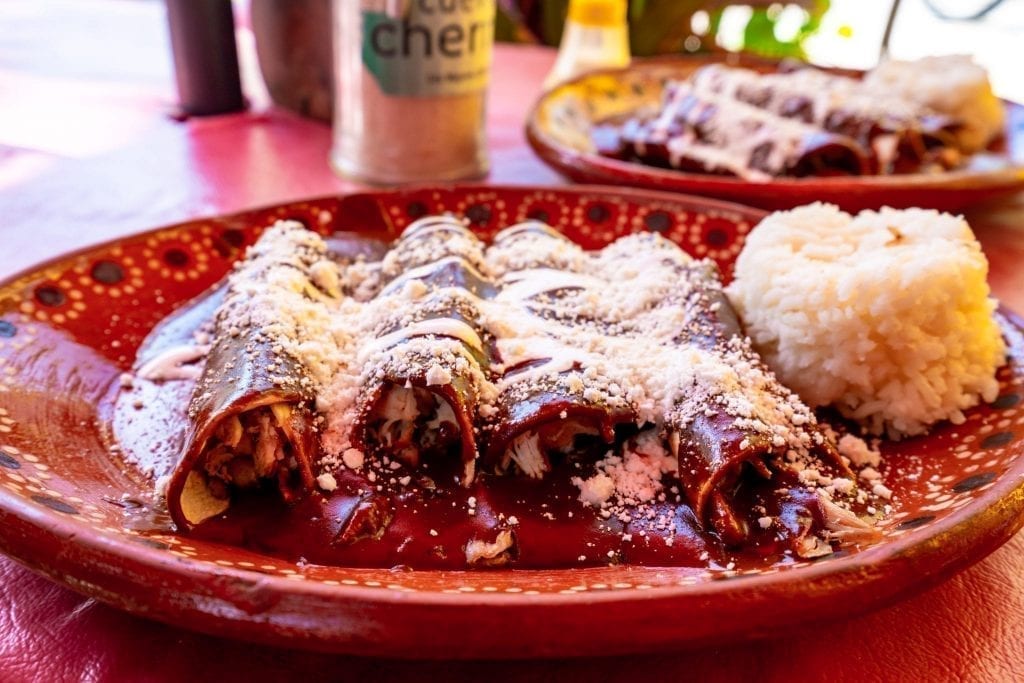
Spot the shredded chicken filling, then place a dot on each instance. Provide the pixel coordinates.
(250, 447)
(845, 526)
(492, 554)
(411, 423)
(531, 453)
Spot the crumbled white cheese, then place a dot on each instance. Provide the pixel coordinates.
(595, 490)
(870, 474)
(843, 485)
(353, 458)
(632, 478)
(882, 491)
(858, 451)
(437, 375)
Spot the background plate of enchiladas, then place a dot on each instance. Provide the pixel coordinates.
(470, 421)
(928, 133)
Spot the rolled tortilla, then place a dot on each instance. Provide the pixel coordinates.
(711, 133)
(542, 408)
(901, 135)
(252, 417)
(425, 371)
(741, 445)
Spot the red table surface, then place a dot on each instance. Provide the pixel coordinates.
(87, 153)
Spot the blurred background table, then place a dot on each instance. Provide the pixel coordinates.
(88, 152)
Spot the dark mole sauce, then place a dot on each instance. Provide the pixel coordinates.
(431, 528)
(427, 523)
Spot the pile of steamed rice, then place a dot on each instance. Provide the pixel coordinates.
(950, 84)
(886, 315)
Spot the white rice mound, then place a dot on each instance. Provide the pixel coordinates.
(885, 315)
(949, 84)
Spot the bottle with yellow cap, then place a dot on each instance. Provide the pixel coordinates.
(596, 36)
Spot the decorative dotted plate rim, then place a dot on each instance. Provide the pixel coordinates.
(162, 576)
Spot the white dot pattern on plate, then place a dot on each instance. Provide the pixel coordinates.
(195, 255)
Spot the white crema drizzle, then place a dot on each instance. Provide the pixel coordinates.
(602, 325)
(174, 363)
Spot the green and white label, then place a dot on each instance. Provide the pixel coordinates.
(430, 47)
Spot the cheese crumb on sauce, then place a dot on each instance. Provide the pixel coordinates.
(858, 451)
(327, 482)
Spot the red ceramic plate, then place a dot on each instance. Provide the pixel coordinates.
(68, 328)
(558, 129)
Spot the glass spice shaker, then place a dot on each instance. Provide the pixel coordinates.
(410, 89)
(596, 36)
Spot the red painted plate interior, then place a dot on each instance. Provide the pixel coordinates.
(70, 327)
